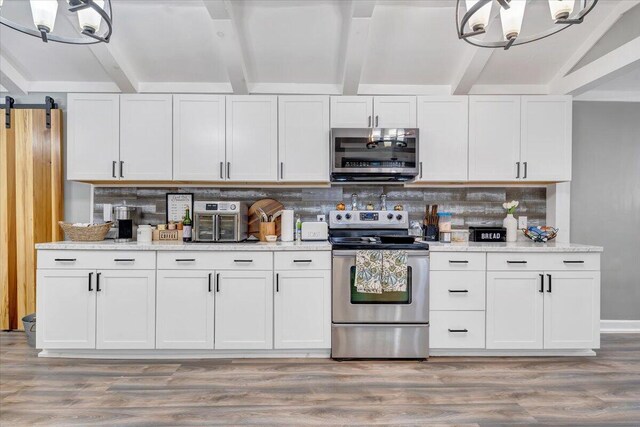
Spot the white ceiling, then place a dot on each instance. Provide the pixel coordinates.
(303, 46)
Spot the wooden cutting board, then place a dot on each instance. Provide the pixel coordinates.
(270, 207)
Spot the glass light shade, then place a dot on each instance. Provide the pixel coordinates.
(480, 19)
(561, 9)
(512, 18)
(44, 13)
(89, 18)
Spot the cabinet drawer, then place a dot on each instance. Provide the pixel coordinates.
(458, 261)
(236, 260)
(456, 329)
(185, 260)
(528, 261)
(457, 290)
(107, 260)
(303, 260)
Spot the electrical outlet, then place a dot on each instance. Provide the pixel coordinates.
(321, 218)
(522, 222)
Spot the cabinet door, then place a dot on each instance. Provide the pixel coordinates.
(494, 138)
(546, 138)
(302, 309)
(146, 137)
(572, 310)
(185, 309)
(198, 137)
(443, 123)
(244, 310)
(126, 317)
(252, 138)
(514, 310)
(394, 112)
(93, 137)
(351, 111)
(66, 307)
(303, 124)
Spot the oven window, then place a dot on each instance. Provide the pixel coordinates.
(383, 298)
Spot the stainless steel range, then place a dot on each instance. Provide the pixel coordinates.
(370, 325)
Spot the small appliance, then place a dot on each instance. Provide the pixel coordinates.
(315, 230)
(220, 221)
(125, 222)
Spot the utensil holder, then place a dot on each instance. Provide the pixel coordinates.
(431, 233)
(266, 229)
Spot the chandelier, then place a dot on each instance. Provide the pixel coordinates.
(91, 14)
(478, 14)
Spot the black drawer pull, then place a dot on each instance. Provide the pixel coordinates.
(210, 274)
(124, 260)
(217, 282)
(65, 259)
(458, 291)
(242, 260)
(302, 260)
(458, 330)
(573, 262)
(277, 282)
(541, 283)
(185, 259)
(516, 262)
(549, 289)
(452, 261)
(98, 282)
(90, 276)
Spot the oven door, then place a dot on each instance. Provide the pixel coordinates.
(204, 227)
(227, 228)
(351, 306)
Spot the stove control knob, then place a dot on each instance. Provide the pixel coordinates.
(233, 207)
(399, 217)
(347, 216)
(390, 216)
(338, 217)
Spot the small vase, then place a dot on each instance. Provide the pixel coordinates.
(511, 224)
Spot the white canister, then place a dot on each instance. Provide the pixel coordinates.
(286, 227)
(144, 234)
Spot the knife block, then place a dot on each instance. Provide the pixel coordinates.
(267, 229)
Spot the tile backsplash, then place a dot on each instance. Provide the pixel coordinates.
(470, 205)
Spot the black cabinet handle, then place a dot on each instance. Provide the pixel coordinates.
(458, 330)
(277, 282)
(90, 277)
(303, 260)
(516, 262)
(124, 259)
(518, 173)
(217, 282)
(210, 274)
(420, 169)
(242, 260)
(113, 169)
(221, 170)
(549, 289)
(121, 168)
(525, 170)
(451, 261)
(98, 282)
(458, 291)
(65, 259)
(228, 170)
(573, 262)
(541, 283)
(281, 170)
(185, 259)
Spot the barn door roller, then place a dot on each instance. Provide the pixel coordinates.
(9, 103)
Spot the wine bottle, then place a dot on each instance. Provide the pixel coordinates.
(186, 227)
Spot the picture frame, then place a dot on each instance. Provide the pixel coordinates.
(176, 203)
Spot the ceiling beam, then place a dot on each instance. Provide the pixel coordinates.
(230, 43)
(615, 63)
(593, 37)
(355, 44)
(11, 78)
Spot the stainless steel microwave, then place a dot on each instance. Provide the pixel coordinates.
(373, 154)
(220, 221)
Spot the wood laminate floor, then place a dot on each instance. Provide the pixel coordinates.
(602, 390)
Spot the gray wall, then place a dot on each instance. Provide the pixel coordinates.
(605, 198)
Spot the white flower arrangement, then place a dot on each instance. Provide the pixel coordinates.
(511, 206)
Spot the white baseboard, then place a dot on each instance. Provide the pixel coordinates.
(185, 354)
(619, 326)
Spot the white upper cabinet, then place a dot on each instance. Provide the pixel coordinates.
(546, 138)
(93, 125)
(394, 112)
(443, 138)
(494, 138)
(351, 111)
(146, 137)
(252, 138)
(304, 136)
(198, 137)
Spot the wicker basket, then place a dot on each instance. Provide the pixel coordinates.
(91, 233)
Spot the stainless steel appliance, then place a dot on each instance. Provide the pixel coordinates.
(125, 219)
(387, 325)
(374, 154)
(220, 221)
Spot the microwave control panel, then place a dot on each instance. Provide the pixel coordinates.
(213, 207)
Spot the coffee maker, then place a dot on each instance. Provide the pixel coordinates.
(125, 224)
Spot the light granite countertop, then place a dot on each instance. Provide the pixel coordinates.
(110, 245)
(521, 246)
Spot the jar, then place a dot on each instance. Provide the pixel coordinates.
(460, 235)
(445, 236)
(144, 233)
(444, 221)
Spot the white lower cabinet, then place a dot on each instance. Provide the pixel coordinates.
(66, 307)
(457, 329)
(244, 310)
(126, 309)
(302, 309)
(185, 309)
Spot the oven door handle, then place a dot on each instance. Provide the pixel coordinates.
(344, 253)
(216, 228)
